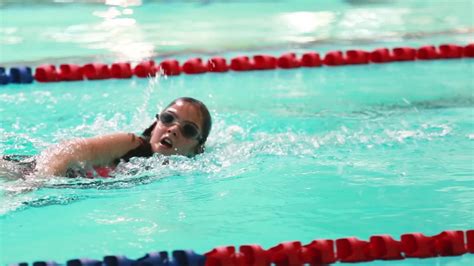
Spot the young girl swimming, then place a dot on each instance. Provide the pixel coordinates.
(181, 128)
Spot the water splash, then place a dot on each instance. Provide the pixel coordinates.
(153, 88)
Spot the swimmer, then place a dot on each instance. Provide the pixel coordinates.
(181, 128)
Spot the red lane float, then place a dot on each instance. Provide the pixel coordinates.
(96, 71)
(121, 70)
(450, 243)
(170, 68)
(241, 63)
(145, 69)
(194, 66)
(427, 53)
(264, 62)
(353, 250)
(284, 254)
(384, 247)
(254, 255)
(469, 50)
(334, 58)
(288, 60)
(319, 252)
(46, 73)
(417, 245)
(470, 241)
(403, 54)
(221, 256)
(381, 55)
(217, 64)
(311, 59)
(70, 72)
(447, 51)
(355, 57)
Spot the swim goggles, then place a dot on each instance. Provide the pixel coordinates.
(188, 130)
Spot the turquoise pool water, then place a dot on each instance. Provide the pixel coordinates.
(293, 155)
(131, 31)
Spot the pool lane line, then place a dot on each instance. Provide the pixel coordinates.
(294, 253)
(193, 66)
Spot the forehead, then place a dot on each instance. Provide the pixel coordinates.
(186, 111)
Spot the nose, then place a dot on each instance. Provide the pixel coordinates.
(173, 129)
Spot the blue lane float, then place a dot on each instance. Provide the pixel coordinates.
(161, 258)
(44, 263)
(21, 75)
(188, 258)
(4, 78)
(118, 261)
(83, 262)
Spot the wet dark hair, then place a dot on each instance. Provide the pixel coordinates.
(206, 119)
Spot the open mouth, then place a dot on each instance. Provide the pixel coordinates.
(166, 142)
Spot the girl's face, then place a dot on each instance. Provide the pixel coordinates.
(178, 130)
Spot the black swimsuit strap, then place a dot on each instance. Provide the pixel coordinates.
(143, 150)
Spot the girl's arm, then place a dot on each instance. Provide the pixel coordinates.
(100, 150)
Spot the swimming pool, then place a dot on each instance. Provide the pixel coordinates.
(294, 154)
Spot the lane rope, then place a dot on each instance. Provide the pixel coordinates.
(171, 67)
(317, 252)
